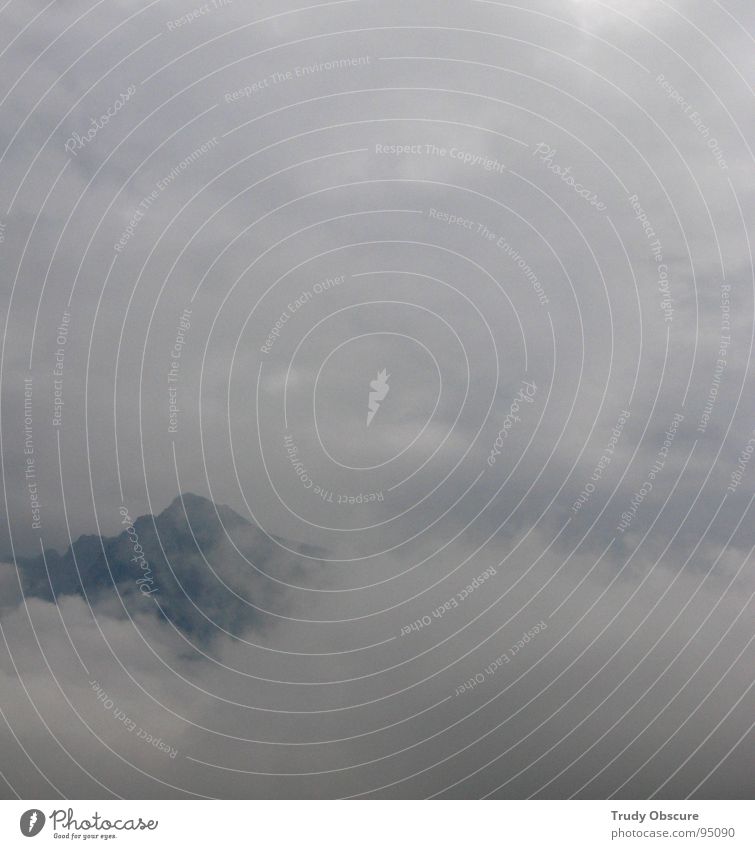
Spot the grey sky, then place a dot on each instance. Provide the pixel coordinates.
(534, 219)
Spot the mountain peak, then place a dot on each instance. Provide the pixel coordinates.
(197, 508)
(194, 557)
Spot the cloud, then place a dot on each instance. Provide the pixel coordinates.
(447, 184)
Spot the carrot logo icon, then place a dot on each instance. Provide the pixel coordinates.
(32, 822)
(379, 388)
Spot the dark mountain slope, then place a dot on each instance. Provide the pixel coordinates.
(185, 559)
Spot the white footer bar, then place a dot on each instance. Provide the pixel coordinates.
(378, 824)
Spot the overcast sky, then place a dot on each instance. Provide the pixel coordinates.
(451, 304)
